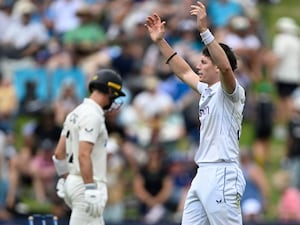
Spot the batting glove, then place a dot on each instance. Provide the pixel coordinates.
(94, 200)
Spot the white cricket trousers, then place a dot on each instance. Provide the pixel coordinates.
(214, 195)
(74, 191)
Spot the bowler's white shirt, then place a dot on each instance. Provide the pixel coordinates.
(220, 116)
(86, 123)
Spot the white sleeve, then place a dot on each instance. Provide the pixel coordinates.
(90, 128)
(237, 94)
(201, 87)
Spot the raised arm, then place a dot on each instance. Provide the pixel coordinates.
(216, 52)
(183, 71)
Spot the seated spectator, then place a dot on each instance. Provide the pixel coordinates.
(8, 103)
(30, 104)
(43, 172)
(114, 211)
(153, 118)
(288, 207)
(72, 74)
(6, 16)
(8, 177)
(88, 37)
(152, 186)
(27, 151)
(64, 20)
(255, 198)
(66, 101)
(25, 37)
(46, 128)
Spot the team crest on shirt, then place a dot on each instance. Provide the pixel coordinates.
(204, 111)
(88, 130)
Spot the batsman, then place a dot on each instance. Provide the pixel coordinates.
(80, 155)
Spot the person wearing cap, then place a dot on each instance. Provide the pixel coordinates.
(80, 155)
(286, 72)
(88, 37)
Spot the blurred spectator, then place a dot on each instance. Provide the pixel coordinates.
(6, 16)
(30, 104)
(25, 154)
(60, 57)
(182, 172)
(154, 65)
(115, 13)
(243, 76)
(246, 44)
(293, 142)
(128, 58)
(115, 207)
(152, 186)
(255, 199)
(42, 14)
(46, 127)
(220, 13)
(188, 43)
(66, 19)
(167, 8)
(264, 114)
(8, 104)
(8, 177)
(43, 172)
(152, 118)
(66, 101)
(25, 37)
(88, 37)
(286, 47)
(288, 207)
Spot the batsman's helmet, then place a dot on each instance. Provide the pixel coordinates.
(107, 81)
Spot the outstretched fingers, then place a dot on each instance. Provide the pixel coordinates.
(152, 20)
(156, 18)
(199, 8)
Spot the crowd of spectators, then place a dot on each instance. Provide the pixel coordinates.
(49, 49)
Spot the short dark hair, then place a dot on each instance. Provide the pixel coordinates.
(229, 53)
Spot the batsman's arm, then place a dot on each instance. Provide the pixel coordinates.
(85, 161)
(59, 157)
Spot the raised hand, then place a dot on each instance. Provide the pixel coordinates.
(156, 27)
(199, 10)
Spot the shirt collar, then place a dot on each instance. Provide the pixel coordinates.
(213, 88)
(94, 104)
